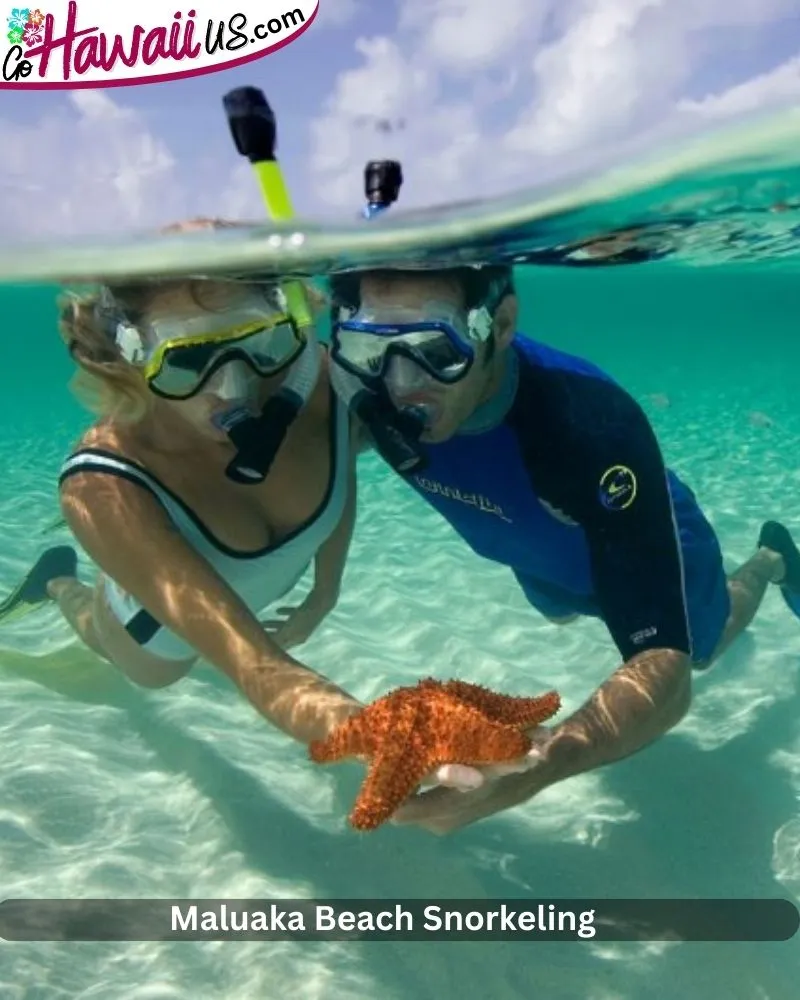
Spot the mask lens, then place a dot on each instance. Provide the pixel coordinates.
(271, 349)
(185, 367)
(364, 351)
(441, 356)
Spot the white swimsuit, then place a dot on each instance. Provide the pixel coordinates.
(259, 578)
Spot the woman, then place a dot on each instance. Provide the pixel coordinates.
(188, 555)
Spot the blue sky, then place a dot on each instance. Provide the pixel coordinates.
(496, 94)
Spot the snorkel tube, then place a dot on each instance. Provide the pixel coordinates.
(259, 438)
(395, 433)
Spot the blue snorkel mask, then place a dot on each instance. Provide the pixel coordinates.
(435, 337)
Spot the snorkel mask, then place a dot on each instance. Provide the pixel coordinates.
(434, 336)
(380, 350)
(180, 355)
(227, 352)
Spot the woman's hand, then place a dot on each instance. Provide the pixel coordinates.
(297, 624)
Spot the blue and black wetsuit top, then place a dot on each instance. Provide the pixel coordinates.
(569, 489)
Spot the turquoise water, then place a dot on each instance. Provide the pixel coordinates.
(112, 791)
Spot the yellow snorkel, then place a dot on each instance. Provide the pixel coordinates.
(252, 125)
(258, 438)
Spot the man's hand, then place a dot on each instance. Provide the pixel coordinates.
(467, 794)
(465, 779)
(640, 702)
(443, 810)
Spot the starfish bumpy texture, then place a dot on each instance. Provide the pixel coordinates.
(410, 732)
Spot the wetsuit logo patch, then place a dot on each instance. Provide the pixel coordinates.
(617, 488)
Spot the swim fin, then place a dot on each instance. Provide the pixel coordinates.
(774, 536)
(31, 593)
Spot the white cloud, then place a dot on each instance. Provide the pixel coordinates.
(337, 13)
(588, 81)
(464, 36)
(95, 168)
(98, 168)
(497, 101)
(387, 86)
(780, 85)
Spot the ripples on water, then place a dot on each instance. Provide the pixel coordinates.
(112, 791)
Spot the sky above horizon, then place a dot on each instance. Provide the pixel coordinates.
(493, 97)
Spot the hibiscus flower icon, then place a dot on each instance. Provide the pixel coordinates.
(18, 18)
(33, 34)
(25, 25)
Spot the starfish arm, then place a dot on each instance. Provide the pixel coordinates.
(391, 779)
(353, 738)
(461, 734)
(512, 710)
(391, 776)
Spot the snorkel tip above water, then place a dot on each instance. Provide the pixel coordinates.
(258, 438)
(382, 182)
(252, 123)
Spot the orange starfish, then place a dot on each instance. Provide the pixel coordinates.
(410, 732)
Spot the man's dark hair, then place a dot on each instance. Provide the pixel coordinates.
(485, 286)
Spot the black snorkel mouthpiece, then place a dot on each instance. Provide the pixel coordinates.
(395, 433)
(258, 439)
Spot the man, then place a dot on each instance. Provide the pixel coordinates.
(543, 463)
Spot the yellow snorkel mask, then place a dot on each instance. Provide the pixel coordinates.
(179, 355)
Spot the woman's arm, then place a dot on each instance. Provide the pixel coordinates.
(332, 556)
(127, 533)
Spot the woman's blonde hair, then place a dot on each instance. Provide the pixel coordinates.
(105, 383)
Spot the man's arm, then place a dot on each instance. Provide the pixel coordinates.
(618, 492)
(331, 558)
(641, 701)
(623, 502)
(638, 704)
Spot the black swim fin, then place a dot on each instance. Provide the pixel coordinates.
(774, 536)
(31, 593)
